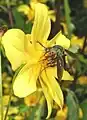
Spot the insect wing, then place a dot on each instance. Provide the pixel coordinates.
(74, 55)
(60, 67)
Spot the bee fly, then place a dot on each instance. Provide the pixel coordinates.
(56, 57)
(56, 54)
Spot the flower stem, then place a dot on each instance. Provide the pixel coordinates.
(68, 19)
(1, 95)
(84, 45)
(11, 90)
(8, 103)
(41, 107)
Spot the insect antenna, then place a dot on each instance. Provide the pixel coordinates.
(41, 44)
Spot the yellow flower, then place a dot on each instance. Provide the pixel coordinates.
(28, 49)
(62, 114)
(64, 28)
(76, 41)
(33, 99)
(42, 1)
(82, 80)
(28, 10)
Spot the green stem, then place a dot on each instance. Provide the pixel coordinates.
(11, 91)
(1, 95)
(67, 15)
(8, 104)
(84, 45)
(41, 107)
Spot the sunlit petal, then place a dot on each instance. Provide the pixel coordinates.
(35, 54)
(13, 42)
(48, 97)
(67, 76)
(53, 86)
(27, 10)
(25, 82)
(52, 15)
(41, 27)
(24, 8)
(76, 41)
(61, 40)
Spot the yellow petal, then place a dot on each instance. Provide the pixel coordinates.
(61, 40)
(62, 114)
(82, 80)
(67, 76)
(33, 99)
(52, 15)
(48, 98)
(27, 10)
(13, 42)
(77, 41)
(53, 86)
(25, 82)
(35, 54)
(64, 28)
(41, 27)
(24, 8)
(43, 1)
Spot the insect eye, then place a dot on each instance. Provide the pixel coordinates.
(47, 49)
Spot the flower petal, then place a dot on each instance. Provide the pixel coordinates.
(42, 25)
(35, 54)
(13, 42)
(67, 76)
(25, 82)
(48, 98)
(27, 10)
(52, 15)
(24, 8)
(61, 40)
(53, 86)
(76, 41)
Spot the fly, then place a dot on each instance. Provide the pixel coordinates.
(59, 60)
(56, 57)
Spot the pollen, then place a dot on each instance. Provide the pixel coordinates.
(49, 58)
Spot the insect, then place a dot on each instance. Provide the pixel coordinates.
(55, 56)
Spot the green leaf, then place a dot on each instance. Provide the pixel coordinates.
(23, 108)
(33, 113)
(73, 107)
(83, 105)
(19, 20)
(82, 59)
(28, 27)
(74, 49)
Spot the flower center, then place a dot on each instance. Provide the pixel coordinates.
(49, 58)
